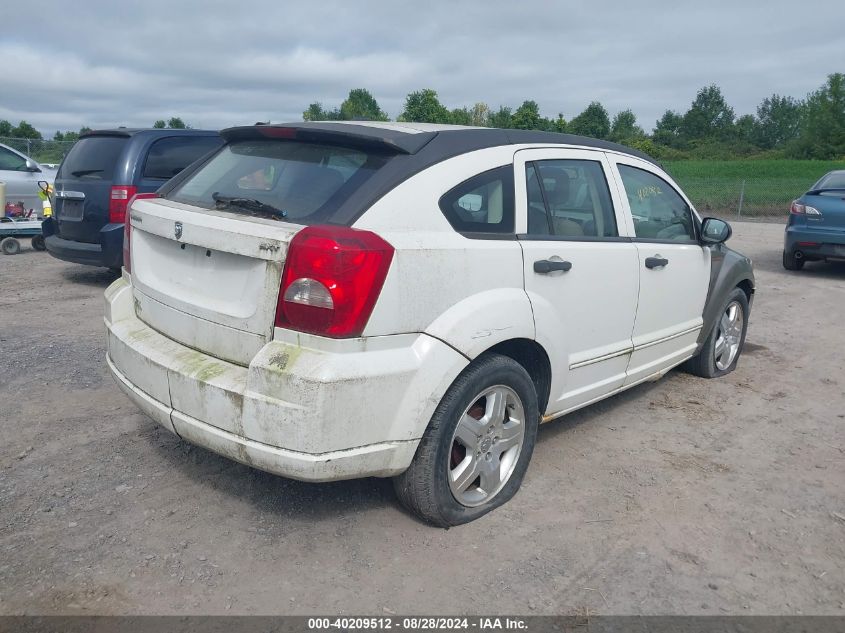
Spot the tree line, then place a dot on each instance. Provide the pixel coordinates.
(24, 130)
(783, 126)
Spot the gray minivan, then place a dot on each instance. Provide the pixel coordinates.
(98, 178)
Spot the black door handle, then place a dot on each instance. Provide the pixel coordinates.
(545, 266)
(656, 262)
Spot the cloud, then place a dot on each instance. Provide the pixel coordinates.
(217, 64)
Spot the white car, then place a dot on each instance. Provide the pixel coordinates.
(21, 175)
(328, 301)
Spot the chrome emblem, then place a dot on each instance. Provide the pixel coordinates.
(177, 230)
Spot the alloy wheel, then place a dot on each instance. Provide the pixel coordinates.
(486, 445)
(729, 337)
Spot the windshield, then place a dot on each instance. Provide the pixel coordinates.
(92, 158)
(278, 179)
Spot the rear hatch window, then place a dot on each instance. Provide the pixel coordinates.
(831, 181)
(284, 180)
(92, 158)
(168, 156)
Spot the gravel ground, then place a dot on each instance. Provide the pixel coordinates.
(684, 496)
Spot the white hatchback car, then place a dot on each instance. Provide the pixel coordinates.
(328, 301)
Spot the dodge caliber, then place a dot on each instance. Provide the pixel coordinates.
(327, 301)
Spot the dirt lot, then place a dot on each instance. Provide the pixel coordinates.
(685, 496)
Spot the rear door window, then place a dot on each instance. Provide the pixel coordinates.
(168, 156)
(92, 158)
(570, 199)
(305, 182)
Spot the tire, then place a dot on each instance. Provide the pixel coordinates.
(709, 363)
(427, 488)
(790, 262)
(10, 246)
(38, 243)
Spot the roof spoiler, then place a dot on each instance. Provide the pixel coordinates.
(348, 135)
(118, 133)
(817, 192)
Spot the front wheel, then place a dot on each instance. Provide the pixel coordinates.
(475, 451)
(720, 352)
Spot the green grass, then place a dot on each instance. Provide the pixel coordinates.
(770, 185)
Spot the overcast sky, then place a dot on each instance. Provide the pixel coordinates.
(103, 63)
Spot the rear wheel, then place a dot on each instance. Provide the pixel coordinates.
(38, 243)
(475, 451)
(10, 246)
(721, 350)
(790, 262)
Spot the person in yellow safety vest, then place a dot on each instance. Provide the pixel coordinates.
(47, 207)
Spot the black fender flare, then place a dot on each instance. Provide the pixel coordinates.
(728, 269)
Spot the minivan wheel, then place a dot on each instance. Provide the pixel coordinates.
(38, 243)
(475, 451)
(720, 352)
(790, 262)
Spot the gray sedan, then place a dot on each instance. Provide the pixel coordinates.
(21, 175)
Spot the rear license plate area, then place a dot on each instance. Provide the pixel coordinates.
(71, 210)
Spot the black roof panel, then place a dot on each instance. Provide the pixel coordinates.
(448, 139)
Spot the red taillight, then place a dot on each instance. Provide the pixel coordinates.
(127, 231)
(119, 202)
(332, 278)
(803, 209)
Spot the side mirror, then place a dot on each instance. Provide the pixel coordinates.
(31, 166)
(715, 231)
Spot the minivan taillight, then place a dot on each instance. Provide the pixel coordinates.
(333, 276)
(127, 231)
(119, 201)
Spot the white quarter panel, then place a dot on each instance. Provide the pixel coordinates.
(467, 292)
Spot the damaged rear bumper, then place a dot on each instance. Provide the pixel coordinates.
(356, 409)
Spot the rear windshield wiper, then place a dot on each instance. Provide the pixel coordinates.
(250, 204)
(85, 172)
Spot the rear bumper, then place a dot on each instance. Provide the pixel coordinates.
(814, 243)
(300, 412)
(107, 253)
(374, 460)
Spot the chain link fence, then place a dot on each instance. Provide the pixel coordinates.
(747, 197)
(44, 151)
